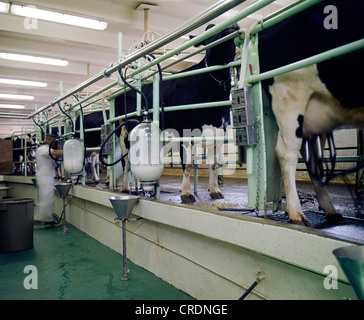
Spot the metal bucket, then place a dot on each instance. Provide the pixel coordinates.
(16, 224)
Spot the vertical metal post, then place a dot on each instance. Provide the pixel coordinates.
(156, 105)
(111, 157)
(25, 154)
(138, 85)
(195, 169)
(125, 270)
(264, 180)
(360, 154)
(82, 138)
(64, 216)
(254, 153)
(156, 101)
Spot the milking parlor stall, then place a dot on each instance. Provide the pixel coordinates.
(192, 191)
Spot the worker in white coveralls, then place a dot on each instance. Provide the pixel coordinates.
(45, 181)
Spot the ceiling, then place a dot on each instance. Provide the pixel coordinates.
(88, 51)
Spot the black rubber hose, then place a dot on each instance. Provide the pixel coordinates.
(249, 290)
(107, 139)
(41, 129)
(161, 103)
(83, 129)
(69, 117)
(50, 147)
(146, 107)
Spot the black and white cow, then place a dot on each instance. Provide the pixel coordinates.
(318, 98)
(92, 139)
(19, 154)
(206, 87)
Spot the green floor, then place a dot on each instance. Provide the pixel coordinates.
(76, 266)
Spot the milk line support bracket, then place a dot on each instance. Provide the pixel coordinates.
(123, 206)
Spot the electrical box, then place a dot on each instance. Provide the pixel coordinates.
(245, 136)
(243, 116)
(105, 131)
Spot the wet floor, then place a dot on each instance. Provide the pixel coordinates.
(76, 267)
(235, 191)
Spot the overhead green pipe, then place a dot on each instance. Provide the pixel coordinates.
(202, 70)
(199, 139)
(203, 17)
(16, 124)
(208, 33)
(244, 13)
(177, 108)
(267, 22)
(113, 84)
(339, 51)
(198, 106)
(186, 74)
(203, 48)
(283, 14)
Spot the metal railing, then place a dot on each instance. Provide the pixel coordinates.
(207, 15)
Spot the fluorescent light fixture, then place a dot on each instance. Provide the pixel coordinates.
(23, 83)
(4, 7)
(33, 59)
(15, 96)
(11, 106)
(48, 15)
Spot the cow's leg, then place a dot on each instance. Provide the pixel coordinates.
(187, 195)
(94, 158)
(215, 192)
(107, 179)
(118, 167)
(288, 158)
(127, 184)
(325, 203)
(322, 194)
(289, 101)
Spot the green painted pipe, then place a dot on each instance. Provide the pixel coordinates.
(283, 14)
(339, 51)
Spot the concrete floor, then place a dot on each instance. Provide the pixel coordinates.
(77, 267)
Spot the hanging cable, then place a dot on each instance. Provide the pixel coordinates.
(41, 129)
(161, 101)
(68, 116)
(108, 138)
(146, 106)
(50, 149)
(251, 288)
(83, 130)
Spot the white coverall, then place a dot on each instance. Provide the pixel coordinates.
(45, 183)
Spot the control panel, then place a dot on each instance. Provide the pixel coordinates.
(243, 116)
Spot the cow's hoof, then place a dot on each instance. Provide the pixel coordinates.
(216, 195)
(304, 222)
(336, 218)
(188, 198)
